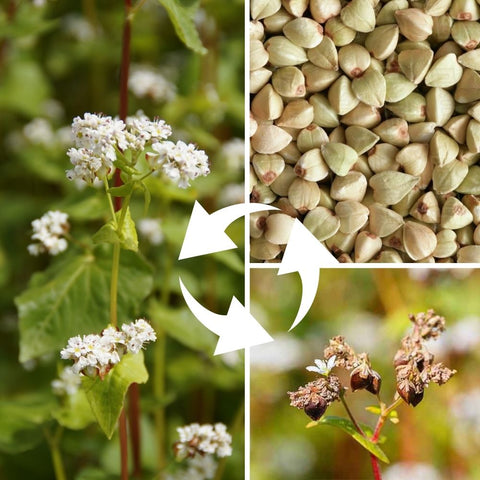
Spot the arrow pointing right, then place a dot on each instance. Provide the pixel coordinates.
(237, 330)
(305, 254)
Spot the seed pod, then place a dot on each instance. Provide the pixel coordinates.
(322, 223)
(412, 108)
(395, 240)
(296, 114)
(278, 227)
(473, 136)
(382, 41)
(449, 177)
(413, 158)
(264, 8)
(441, 29)
(455, 214)
(469, 254)
(426, 209)
(339, 157)
(386, 16)
(473, 204)
(367, 245)
(442, 149)
(375, 383)
(464, 10)
(446, 244)
(290, 153)
(262, 194)
(383, 221)
(445, 72)
(257, 223)
(258, 79)
(370, 88)
(406, 203)
(398, 87)
(440, 106)
(359, 15)
(282, 183)
(471, 183)
(414, 64)
(283, 53)
(363, 116)
(436, 8)
(353, 59)
(353, 216)
(470, 59)
(268, 167)
(324, 55)
(270, 139)
(310, 137)
(295, 7)
(341, 243)
(421, 132)
(350, 187)
(410, 396)
(381, 158)
(303, 195)
(465, 236)
(339, 33)
(390, 187)
(267, 104)
(341, 96)
(419, 241)
(311, 166)
(289, 82)
(258, 55)
(468, 88)
(456, 127)
(318, 79)
(393, 131)
(360, 139)
(387, 255)
(317, 409)
(414, 24)
(262, 249)
(275, 23)
(324, 114)
(304, 32)
(322, 10)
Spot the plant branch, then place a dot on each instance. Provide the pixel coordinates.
(54, 445)
(352, 418)
(122, 431)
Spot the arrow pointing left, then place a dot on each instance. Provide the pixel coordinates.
(206, 232)
(237, 330)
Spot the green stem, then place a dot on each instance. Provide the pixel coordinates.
(54, 445)
(110, 201)
(114, 284)
(352, 418)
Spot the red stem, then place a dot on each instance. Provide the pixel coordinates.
(377, 474)
(133, 418)
(122, 430)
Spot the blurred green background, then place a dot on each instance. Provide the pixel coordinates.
(437, 440)
(57, 61)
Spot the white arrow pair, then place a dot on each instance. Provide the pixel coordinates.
(239, 329)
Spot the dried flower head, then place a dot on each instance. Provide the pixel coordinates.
(316, 396)
(413, 362)
(196, 439)
(343, 352)
(48, 230)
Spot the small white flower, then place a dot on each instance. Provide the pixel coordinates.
(323, 367)
(148, 82)
(151, 230)
(68, 383)
(48, 231)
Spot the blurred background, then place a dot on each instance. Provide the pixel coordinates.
(437, 440)
(57, 61)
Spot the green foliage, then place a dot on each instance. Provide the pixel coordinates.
(75, 412)
(181, 15)
(20, 419)
(106, 396)
(72, 298)
(126, 237)
(348, 427)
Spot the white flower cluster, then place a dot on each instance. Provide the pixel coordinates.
(147, 82)
(98, 138)
(151, 230)
(68, 383)
(48, 231)
(97, 354)
(203, 439)
(198, 468)
(179, 162)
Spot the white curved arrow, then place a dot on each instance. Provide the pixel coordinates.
(305, 254)
(206, 232)
(237, 330)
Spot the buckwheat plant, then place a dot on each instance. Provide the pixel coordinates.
(414, 371)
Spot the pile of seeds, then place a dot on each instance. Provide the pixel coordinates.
(365, 125)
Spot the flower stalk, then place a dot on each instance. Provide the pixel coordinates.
(54, 446)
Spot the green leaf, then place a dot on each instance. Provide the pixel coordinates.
(348, 427)
(71, 298)
(181, 325)
(375, 409)
(20, 422)
(182, 20)
(106, 396)
(75, 413)
(123, 190)
(127, 238)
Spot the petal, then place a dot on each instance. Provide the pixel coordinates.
(314, 369)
